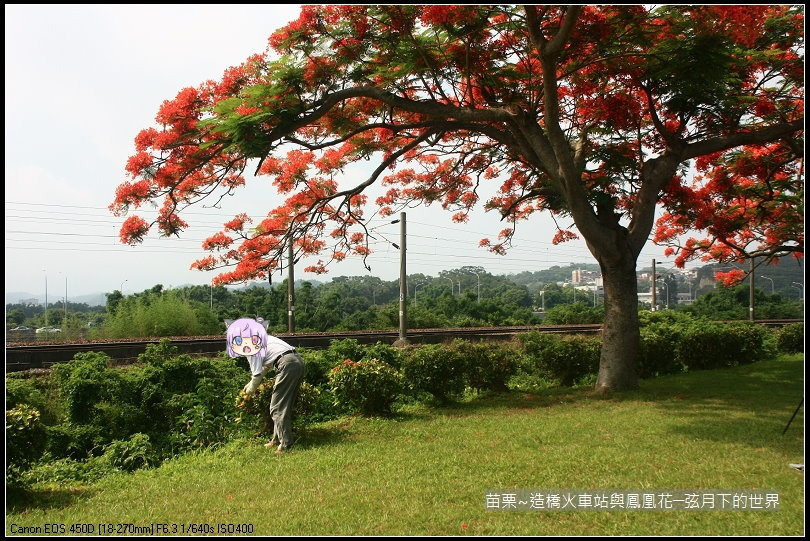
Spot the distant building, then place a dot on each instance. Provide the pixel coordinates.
(580, 276)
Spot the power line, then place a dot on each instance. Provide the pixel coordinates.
(522, 254)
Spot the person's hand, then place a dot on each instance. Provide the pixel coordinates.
(252, 385)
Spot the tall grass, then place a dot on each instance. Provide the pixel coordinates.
(426, 470)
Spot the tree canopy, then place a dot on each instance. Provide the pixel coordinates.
(592, 113)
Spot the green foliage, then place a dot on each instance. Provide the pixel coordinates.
(489, 366)
(161, 313)
(578, 313)
(565, 359)
(75, 441)
(25, 442)
(750, 339)
(318, 363)
(65, 471)
(673, 341)
(312, 404)
(694, 70)
(661, 333)
(83, 382)
(657, 355)
(179, 402)
(257, 406)
(434, 369)
(348, 348)
(729, 303)
(35, 391)
(132, 454)
(790, 338)
(369, 386)
(388, 354)
(204, 417)
(716, 345)
(157, 354)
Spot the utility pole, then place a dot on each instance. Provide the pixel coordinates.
(403, 283)
(290, 289)
(46, 297)
(653, 286)
(751, 293)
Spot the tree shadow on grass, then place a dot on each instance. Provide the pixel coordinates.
(18, 501)
(486, 401)
(748, 404)
(321, 435)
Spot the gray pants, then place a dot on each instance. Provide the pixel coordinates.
(290, 371)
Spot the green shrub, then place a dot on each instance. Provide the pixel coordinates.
(25, 442)
(749, 339)
(36, 391)
(76, 441)
(717, 345)
(83, 382)
(390, 355)
(705, 347)
(790, 338)
(159, 353)
(347, 348)
(120, 418)
(369, 386)
(565, 359)
(488, 366)
(257, 406)
(132, 454)
(318, 363)
(658, 351)
(313, 404)
(165, 314)
(204, 416)
(434, 369)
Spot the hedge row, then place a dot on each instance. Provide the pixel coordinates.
(88, 418)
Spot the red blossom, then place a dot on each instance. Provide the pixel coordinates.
(563, 236)
(133, 230)
(238, 223)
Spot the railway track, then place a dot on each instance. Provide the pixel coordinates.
(25, 355)
(22, 356)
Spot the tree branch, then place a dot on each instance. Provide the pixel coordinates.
(725, 142)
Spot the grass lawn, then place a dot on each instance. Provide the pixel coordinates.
(426, 470)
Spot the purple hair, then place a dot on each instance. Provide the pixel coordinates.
(247, 327)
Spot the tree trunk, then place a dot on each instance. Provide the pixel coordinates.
(621, 338)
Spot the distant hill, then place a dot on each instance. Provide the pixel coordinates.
(93, 299)
(786, 278)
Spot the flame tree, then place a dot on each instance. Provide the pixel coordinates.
(591, 113)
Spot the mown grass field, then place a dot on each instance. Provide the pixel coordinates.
(426, 470)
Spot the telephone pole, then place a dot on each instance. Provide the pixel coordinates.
(403, 284)
(290, 289)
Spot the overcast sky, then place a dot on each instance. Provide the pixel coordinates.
(82, 81)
